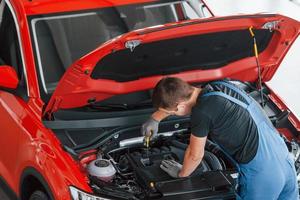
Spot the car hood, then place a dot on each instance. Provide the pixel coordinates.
(196, 51)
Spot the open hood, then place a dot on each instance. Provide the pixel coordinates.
(196, 51)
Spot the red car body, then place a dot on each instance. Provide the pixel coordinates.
(32, 157)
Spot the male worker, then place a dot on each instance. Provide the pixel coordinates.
(238, 124)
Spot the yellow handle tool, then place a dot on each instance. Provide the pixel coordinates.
(147, 140)
(147, 143)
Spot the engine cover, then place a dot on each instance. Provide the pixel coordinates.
(146, 165)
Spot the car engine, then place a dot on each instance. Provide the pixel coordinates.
(132, 171)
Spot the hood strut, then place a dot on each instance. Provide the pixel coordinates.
(258, 65)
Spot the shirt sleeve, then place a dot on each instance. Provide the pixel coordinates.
(200, 123)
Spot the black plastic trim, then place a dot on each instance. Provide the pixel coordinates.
(97, 123)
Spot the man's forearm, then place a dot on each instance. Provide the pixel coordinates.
(159, 115)
(190, 163)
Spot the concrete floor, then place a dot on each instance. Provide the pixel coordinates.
(286, 82)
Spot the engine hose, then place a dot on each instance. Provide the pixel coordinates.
(212, 161)
(179, 145)
(209, 157)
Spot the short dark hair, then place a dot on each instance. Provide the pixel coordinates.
(169, 91)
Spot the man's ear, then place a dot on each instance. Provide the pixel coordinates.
(180, 107)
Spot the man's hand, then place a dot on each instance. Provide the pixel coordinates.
(171, 167)
(150, 128)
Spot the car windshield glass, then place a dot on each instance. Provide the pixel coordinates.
(59, 40)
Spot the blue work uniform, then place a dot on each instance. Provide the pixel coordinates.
(271, 174)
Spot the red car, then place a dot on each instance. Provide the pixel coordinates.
(76, 79)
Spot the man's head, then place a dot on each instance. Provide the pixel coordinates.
(174, 96)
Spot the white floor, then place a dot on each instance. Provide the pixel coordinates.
(286, 81)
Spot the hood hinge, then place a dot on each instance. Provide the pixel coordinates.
(54, 106)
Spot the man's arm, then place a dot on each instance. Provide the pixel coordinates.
(193, 155)
(160, 115)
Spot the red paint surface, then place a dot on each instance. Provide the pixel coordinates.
(24, 140)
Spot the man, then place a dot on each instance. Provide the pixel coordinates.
(237, 123)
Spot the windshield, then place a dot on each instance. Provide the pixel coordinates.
(62, 39)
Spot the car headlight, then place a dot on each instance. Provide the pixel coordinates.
(80, 195)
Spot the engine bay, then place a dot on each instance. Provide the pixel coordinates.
(138, 174)
(119, 166)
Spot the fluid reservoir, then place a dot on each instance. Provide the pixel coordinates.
(102, 169)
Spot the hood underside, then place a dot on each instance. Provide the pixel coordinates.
(196, 51)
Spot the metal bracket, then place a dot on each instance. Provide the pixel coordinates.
(132, 44)
(271, 25)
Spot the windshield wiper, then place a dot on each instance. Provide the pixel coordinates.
(109, 106)
(121, 106)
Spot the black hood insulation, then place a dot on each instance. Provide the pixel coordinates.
(206, 51)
